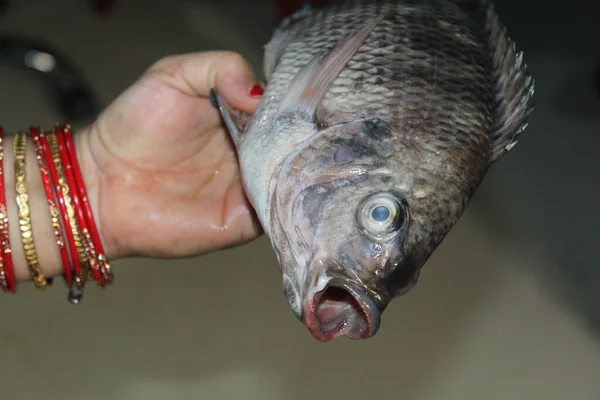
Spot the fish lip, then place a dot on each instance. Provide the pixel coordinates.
(368, 307)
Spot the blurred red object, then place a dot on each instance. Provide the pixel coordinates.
(285, 8)
(103, 7)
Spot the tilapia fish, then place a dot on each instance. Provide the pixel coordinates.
(378, 123)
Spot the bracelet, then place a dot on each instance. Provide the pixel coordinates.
(96, 249)
(74, 227)
(3, 278)
(68, 192)
(3, 275)
(94, 267)
(6, 253)
(50, 144)
(76, 288)
(54, 213)
(25, 225)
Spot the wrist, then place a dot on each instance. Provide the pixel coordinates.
(93, 181)
(51, 226)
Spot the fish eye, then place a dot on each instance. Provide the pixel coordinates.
(382, 214)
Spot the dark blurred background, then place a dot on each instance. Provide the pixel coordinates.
(508, 307)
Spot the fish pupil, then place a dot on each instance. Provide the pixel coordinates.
(380, 213)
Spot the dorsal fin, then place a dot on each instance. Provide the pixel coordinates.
(514, 85)
(283, 35)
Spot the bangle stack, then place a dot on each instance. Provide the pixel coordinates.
(72, 220)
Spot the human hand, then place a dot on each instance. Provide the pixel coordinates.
(161, 172)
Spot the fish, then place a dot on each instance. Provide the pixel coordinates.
(379, 121)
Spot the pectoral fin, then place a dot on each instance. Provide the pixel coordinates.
(236, 121)
(311, 84)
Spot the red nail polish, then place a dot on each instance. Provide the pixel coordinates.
(257, 91)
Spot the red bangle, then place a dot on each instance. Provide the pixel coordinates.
(89, 246)
(96, 248)
(50, 195)
(74, 297)
(9, 271)
(77, 236)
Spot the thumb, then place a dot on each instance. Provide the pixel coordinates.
(197, 73)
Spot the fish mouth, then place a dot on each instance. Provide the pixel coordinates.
(341, 308)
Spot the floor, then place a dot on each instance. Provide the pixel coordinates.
(508, 307)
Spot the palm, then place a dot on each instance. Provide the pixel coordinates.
(168, 180)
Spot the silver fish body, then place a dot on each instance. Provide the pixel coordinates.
(379, 121)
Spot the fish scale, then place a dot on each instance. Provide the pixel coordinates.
(379, 122)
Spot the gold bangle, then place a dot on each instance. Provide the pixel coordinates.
(25, 225)
(3, 273)
(62, 181)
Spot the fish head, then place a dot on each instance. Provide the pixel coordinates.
(360, 263)
(345, 227)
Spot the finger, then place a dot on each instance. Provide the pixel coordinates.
(197, 73)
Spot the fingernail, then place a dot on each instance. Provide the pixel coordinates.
(257, 91)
